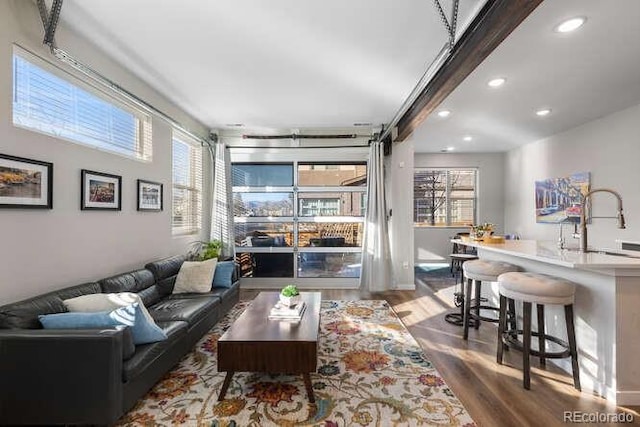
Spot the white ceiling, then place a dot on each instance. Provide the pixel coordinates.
(581, 76)
(272, 64)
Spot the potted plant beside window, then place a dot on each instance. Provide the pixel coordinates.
(290, 296)
(202, 251)
(211, 250)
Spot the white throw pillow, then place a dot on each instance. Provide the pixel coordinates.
(93, 303)
(195, 276)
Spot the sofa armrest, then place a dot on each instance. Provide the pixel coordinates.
(60, 376)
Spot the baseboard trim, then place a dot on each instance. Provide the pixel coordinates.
(592, 384)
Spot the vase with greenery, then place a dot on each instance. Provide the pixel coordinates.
(289, 295)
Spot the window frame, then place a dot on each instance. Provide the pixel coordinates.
(195, 184)
(304, 157)
(143, 145)
(448, 189)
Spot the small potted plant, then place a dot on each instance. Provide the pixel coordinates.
(480, 231)
(290, 296)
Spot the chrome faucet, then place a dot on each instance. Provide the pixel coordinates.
(583, 218)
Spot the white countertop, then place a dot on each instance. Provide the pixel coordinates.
(546, 251)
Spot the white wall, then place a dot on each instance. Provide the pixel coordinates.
(432, 244)
(43, 250)
(608, 148)
(398, 180)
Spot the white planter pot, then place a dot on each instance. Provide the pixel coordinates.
(290, 301)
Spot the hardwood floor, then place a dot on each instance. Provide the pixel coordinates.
(492, 394)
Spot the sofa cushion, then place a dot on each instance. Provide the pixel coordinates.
(166, 267)
(24, 314)
(165, 272)
(146, 354)
(188, 309)
(138, 281)
(143, 330)
(195, 276)
(223, 277)
(226, 293)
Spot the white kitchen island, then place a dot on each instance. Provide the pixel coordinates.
(607, 310)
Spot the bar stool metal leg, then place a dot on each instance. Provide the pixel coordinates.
(526, 345)
(478, 296)
(467, 310)
(571, 333)
(502, 323)
(541, 337)
(513, 319)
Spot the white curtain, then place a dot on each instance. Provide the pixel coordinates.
(376, 273)
(222, 206)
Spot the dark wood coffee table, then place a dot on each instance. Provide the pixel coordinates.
(256, 344)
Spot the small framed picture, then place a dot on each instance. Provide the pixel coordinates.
(149, 196)
(25, 183)
(100, 191)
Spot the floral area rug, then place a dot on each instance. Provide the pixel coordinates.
(371, 372)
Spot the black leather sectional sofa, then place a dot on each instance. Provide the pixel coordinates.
(93, 376)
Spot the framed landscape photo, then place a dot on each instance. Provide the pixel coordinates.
(100, 191)
(149, 196)
(25, 183)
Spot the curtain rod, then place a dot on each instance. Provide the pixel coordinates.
(93, 74)
(297, 148)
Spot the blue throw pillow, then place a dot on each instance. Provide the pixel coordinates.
(223, 276)
(143, 330)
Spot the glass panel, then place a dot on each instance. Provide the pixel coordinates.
(462, 212)
(334, 234)
(351, 175)
(257, 175)
(263, 204)
(430, 197)
(265, 264)
(264, 234)
(462, 180)
(329, 264)
(331, 204)
(181, 163)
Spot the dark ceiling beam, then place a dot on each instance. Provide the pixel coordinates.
(496, 20)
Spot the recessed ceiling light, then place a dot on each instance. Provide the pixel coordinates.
(497, 82)
(235, 125)
(444, 113)
(570, 25)
(543, 112)
(467, 138)
(362, 124)
(451, 148)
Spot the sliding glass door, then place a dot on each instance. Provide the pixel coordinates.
(299, 221)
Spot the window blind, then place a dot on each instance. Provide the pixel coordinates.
(47, 103)
(187, 184)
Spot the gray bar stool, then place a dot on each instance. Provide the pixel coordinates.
(539, 289)
(476, 272)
